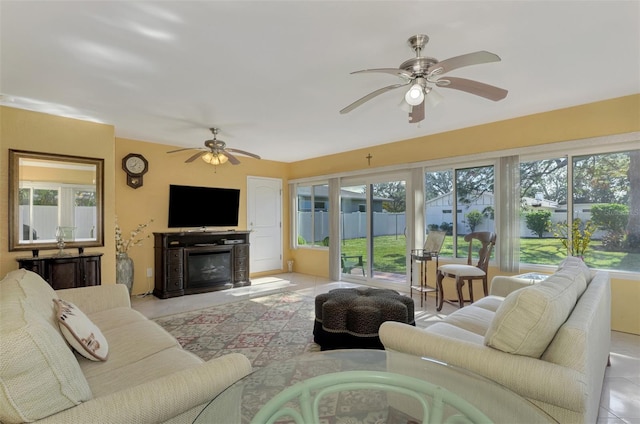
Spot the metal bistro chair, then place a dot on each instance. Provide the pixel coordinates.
(429, 252)
(468, 272)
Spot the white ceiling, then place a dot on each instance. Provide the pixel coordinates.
(274, 74)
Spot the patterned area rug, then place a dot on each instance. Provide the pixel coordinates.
(272, 329)
(265, 329)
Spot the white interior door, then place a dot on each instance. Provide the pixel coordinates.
(264, 220)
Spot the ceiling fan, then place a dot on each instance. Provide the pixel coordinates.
(215, 151)
(423, 73)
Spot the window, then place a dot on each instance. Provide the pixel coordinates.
(312, 224)
(543, 192)
(557, 215)
(41, 207)
(543, 205)
(469, 194)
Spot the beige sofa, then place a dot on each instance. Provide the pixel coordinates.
(146, 378)
(548, 342)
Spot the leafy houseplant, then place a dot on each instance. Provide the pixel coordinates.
(576, 240)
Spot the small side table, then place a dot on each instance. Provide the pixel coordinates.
(422, 257)
(535, 277)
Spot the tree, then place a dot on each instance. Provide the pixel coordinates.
(633, 225)
(538, 221)
(472, 183)
(548, 177)
(394, 192)
(437, 184)
(601, 178)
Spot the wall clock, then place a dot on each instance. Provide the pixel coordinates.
(135, 165)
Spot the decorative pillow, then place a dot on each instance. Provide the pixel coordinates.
(528, 319)
(80, 332)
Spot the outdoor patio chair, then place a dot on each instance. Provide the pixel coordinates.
(348, 263)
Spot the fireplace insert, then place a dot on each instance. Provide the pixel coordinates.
(208, 268)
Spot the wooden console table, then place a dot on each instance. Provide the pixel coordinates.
(181, 266)
(66, 272)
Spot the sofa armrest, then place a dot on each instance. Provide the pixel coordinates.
(503, 285)
(97, 298)
(162, 399)
(531, 378)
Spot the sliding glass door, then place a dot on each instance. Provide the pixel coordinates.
(373, 229)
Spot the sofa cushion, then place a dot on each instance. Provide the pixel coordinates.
(81, 333)
(157, 365)
(39, 374)
(129, 344)
(471, 318)
(35, 291)
(577, 265)
(527, 320)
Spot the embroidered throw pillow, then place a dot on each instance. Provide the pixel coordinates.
(82, 334)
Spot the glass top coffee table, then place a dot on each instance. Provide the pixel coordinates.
(373, 386)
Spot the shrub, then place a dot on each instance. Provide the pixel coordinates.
(538, 221)
(433, 227)
(447, 228)
(474, 218)
(301, 240)
(612, 218)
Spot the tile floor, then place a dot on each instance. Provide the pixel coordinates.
(620, 402)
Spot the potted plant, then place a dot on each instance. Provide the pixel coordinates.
(124, 264)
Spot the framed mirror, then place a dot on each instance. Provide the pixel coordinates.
(53, 200)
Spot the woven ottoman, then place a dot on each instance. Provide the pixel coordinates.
(350, 318)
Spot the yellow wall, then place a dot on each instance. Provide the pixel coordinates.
(616, 116)
(151, 201)
(66, 176)
(38, 132)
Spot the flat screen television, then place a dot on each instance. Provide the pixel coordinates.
(191, 206)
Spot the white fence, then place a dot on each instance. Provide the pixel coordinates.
(45, 222)
(353, 225)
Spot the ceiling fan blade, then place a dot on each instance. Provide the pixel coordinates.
(182, 150)
(234, 160)
(194, 157)
(393, 71)
(474, 87)
(371, 96)
(242, 152)
(417, 113)
(468, 59)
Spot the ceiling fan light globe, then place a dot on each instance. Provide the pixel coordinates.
(218, 159)
(214, 158)
(415, 95)
(433, 98)
(207, 157)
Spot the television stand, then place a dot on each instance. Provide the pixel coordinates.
(198, 230)
(199, 262)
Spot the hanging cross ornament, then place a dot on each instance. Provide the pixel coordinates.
(369, 158)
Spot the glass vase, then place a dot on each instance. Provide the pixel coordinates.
(124, 270)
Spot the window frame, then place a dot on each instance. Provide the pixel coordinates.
(550, 148)
(311, 210)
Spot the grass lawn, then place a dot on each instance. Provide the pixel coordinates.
(389, 253)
